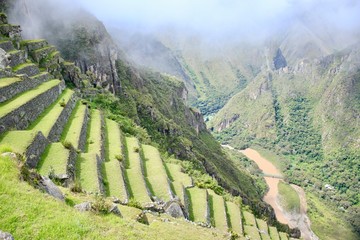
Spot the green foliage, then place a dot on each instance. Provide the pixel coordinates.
(133, 203)
(289, 197)
(100, 206)
(5, 148)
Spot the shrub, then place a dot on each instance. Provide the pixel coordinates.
(67, 144)
(100, 206)
(62, 103)
(136, 149)
(76, 186)
(133, 203)
(119, 157)
(5, 148)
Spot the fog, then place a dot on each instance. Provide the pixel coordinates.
(221, 19)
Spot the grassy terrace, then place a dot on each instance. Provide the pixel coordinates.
(22, 66)
(9, 106)
(137, 185)
(113, 140)
(4, 82)
(198, 204)
(48, 118)
(94, 140)
(264, 229)
(274, 233)
(88, 172)
(48, 218)
(72, 130)
(252, 232)
(249, 218)
(178, 178)
(234, 216)
(88, 162)
(112, 166)
(155, 173)
(54, 158)
(18, 140)
(283, 236)
(217, 210)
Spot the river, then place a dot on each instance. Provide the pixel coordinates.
(299, 220)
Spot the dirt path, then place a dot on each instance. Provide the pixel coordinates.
(299, 220)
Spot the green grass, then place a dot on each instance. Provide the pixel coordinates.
(263, 227)
(24, 42)
(198, 204)
(218, 211)
(283, 236)
(4, 82)
(155, 172)
(274, 233)
(30, 214)
(55, 157)
(289, 198)
(115, 179)
(326, 222)
(113, 140)
(44, 49)
(179, 179)
(72, 130)
(249, 218)
(48, 118)
(94, 140)
(137, 185)
(88, 172)
(271, 156)
(9, 106)
(252, 231)
(38, 75)
(234, 216)
(22, 66)
(18, 140)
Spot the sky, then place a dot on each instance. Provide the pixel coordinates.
(219, 17)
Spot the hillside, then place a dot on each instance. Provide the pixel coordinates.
(97, 143)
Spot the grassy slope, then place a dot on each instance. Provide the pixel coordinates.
(46, 218)
(155, 172)
(234, 216)
(289, 197)
(72, 130)
(218, 211)
(23, 98)
(274, 233)
(199, 204)
(55, 157)
(8, 81)
(249, 218)
(135, 178)
(18, 140)
(324, 219)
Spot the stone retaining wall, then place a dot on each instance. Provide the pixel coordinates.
(58, 127)
(207, 214)
(83, 132)
(23, 116)
(17, 58)
(70, 168)
(35, 149)
(30, 70)
(99, 162)
(7, 46)
(186, 203)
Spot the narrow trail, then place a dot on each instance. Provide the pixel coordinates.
(299, 220)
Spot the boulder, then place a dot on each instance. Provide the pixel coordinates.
(4, 59)
(6, 236)
(83, 207)
(115, 210)
(10, 155)
(142, 218)
(48, 186)
(174, 209)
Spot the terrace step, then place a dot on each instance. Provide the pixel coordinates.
(251, 232)
(155, 173)
(198, 205)
(17, 57)
(20, 111)
(57, 160)
(249, 218)
(29, 69)
(218, 211)
(91, 161)
(274, 233)
(179, 180)
(234, 217)
(263, 229)
(283, 236)
(113, 167)
(32, 45)
(75, 130)
(41, 77)
(134, 172)
(53, 120)
(7, 46)
(30, 144)
(89, 165)
(41, 53)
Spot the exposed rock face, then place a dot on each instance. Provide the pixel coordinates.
(48, 186)
(6, 236)
(173, 208)
(83, 207)
(115, 210)
(279, 60)
(4, 59)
